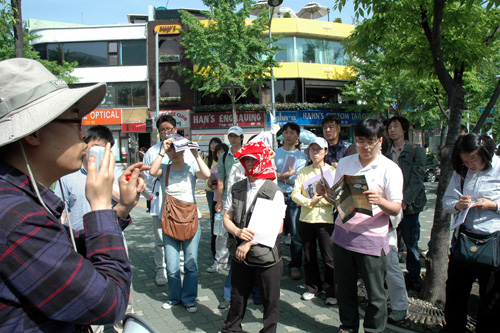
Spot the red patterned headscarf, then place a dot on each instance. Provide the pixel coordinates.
(263, 168)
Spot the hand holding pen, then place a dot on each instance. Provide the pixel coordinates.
(463, 202)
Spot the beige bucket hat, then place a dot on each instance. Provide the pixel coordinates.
(31, 97)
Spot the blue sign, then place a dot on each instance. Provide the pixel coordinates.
(315, 117)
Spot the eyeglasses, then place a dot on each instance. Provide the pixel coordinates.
(167, 130)
(367, 144)
(71, 121)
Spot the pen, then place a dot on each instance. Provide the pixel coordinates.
(458, 192)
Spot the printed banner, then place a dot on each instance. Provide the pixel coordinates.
(181, 116)
(314, 117)
(225, 119)
(103, 117)
(134, 128)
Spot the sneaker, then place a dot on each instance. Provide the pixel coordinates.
(307, 296)
(224, 305)
(161, 278)
(288, 240)
(168, 305)
(331, 301)
(397, 315)
(214, 268)
(346, 330)
(295, 274)
(191, 308)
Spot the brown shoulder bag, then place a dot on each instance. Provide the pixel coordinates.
(179, 219)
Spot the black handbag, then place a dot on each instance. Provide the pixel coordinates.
(477, 251)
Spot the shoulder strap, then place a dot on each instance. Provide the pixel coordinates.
(168, 174)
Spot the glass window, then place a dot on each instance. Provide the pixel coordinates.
(334, 53)
(169, 46)
(88, 54)
(133, 52)
(139, 94)
(110, 97)
(112, 47)
(310, 50)
(286, 55)
(54, 53)
(170, 88)
(290, 91)
(124, 94)
(279, 96)
(42, 50)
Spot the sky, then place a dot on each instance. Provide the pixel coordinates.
(99, 12)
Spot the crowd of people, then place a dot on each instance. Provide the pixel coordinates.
(64, 263)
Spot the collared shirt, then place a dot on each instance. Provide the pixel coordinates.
(46, 285)
(73, 187)
(280, 158)
(363, 233)
(252, 189)
(482, 184)
(225, 165)
(396, 152)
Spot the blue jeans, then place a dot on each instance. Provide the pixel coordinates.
(292, 224)
(184, 292)
(410, 231)
(227, 289)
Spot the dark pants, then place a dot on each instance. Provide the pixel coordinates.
(372, 269)
(458, 288)
(242, 280)
(292, 226)
(320, 232)
(410, 230)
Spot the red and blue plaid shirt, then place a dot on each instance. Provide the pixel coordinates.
(44, 284)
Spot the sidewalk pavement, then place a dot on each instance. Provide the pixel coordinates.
(296, 315)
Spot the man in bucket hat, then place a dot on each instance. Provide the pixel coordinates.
(45, 284)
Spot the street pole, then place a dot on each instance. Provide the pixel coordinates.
(272, 4)
(157, 75)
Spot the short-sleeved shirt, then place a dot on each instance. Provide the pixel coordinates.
(280, 158)
(363, 233)
(225, 164)
(75, 197)
(181, 183)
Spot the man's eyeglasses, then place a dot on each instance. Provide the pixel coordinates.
(71, 121)
(367, 144)
(167, 130)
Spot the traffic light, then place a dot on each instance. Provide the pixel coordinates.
(149, 125)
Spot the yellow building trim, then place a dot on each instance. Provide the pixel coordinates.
(310, 28)
(313, 71)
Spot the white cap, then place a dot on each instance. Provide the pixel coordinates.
(235, 130)
(321, 142)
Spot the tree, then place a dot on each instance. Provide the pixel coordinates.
(437, 39)
(9, 44)
(230, 56)
(18, 29)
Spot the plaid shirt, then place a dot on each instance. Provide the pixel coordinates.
(44, 284)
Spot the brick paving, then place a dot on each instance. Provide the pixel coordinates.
(296, 315)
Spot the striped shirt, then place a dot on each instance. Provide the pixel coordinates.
(44, 284)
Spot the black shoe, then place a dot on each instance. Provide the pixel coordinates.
(257, 300)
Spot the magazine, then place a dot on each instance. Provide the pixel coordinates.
(181, 143)
(289, 163)
(348, 197)
(310, 184)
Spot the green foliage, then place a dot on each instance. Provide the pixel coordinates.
(7, 46)
(232, 56)
(263, 107)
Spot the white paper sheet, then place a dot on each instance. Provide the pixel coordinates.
(266, 221)
(460, 218)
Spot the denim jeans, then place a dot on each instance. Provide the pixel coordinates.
(184, 292)
(410, 230)
(292, 222)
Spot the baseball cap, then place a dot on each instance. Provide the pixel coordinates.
(235, 130)
(321, 142)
